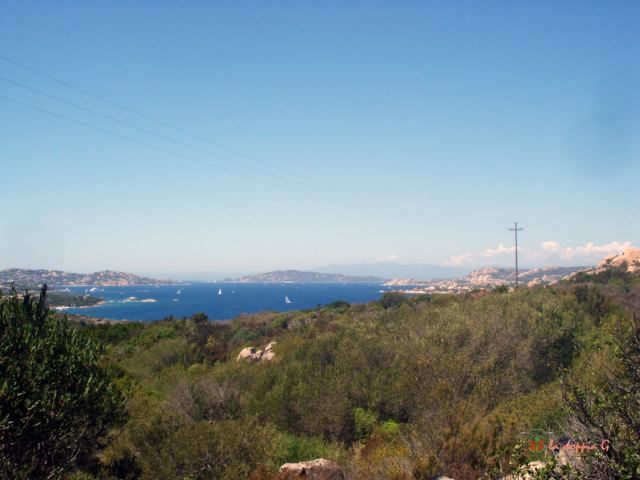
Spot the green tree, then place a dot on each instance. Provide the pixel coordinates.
(56, 400)
(392, 299)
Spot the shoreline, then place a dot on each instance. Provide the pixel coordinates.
(83, 306)
(133, 285)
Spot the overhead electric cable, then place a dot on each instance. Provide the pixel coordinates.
(386, 207)
(171, 126)
(187, 145)
(207, 163)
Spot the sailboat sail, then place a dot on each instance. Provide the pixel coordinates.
(220, 292)
(286, 299)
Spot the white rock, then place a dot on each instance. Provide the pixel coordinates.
(246, 353)
(319, 469)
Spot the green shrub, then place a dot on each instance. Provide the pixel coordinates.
(365, 422)
(608, 408)
(294, 449)
(56, 400)
(392, 299)
(164, 443)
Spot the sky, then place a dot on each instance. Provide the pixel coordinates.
(199, 139)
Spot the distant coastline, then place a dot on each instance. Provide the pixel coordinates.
(67, 307)
(297, 276)
(58, 278)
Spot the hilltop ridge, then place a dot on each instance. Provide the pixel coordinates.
(489, 278)
(57, 278)
(629, 260)
(297, 276)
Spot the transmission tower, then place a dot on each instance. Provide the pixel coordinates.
(516, 231)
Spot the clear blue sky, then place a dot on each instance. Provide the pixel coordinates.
(449, 120)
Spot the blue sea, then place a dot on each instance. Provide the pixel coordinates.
(234, 299)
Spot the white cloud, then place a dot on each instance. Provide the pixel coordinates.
(595, 253)
(550, 253)
(489, 253)
(472, 259)
(465, 258)
(388, 259)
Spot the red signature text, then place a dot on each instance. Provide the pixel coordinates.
(578, 447)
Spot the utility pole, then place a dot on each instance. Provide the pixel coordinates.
(516, 230)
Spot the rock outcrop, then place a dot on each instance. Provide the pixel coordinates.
(250, 354)
(319, 469)
(269, 354)
(22, 276)
(246, 354)
(630, 257)
(532, 467)
(565, 457)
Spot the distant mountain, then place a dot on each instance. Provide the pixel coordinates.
(420, 271)
(296, 276)
(54, 278)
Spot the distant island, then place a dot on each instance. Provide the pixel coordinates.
(55, 278)
(57, 300)
(297, 276)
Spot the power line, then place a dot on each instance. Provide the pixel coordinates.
(368, 208)
(360, 205)
(182, 143)
(187, 133)
(384, 207)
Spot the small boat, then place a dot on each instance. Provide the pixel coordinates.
(286, 299)
(175, 299)
(220, 292)
(178, 291)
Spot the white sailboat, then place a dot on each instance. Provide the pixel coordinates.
(178, 291)
(286, 299)
(220, 292)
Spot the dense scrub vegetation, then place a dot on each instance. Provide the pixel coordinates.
(56, 400)
(404, 388)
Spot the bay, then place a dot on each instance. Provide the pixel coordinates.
(236, 298)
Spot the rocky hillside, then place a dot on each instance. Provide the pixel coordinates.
(535, 276)
(297, 276)
(628, 260)
(489, 278)
(21, 276)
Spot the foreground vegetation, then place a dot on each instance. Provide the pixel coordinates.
(398, 389)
